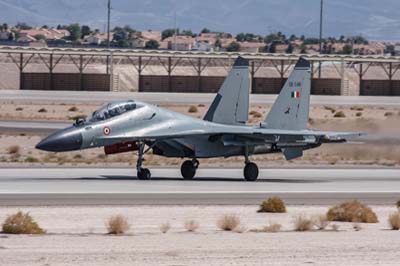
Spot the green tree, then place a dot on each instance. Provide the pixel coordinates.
(85, 30)
(218, 43)
(273, 37)
(272, 48)
(264, 49)
(11, 36)
(23, 26)
(129, 29)
(123, 43)
(311, 41)
(390, 49)
(152, 44)
(40, 37)
(74, 31)
(205, 30)
(347, 49)
(45, 27)
(169, 33)
(233, 47)
(303, 48)
(292, 38)
(289, 50)
(119, 35)
(188, 33)
(359, 40)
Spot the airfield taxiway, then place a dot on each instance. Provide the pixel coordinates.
(119, 186)
(177, 98)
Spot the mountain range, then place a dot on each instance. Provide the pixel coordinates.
(375, 20)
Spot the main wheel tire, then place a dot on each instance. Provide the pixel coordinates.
(144, 174)
(250, 172)
(188, 170)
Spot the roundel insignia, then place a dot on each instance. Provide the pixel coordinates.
(106, 131)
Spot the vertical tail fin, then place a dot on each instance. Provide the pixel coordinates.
(291, 109)
(231, 104)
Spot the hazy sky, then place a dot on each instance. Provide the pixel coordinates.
(371, 18)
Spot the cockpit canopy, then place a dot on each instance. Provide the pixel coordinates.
(112, 110)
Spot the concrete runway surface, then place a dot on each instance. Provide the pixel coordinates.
(119, 186)
(177, 98)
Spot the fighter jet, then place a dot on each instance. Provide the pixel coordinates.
(137, 126)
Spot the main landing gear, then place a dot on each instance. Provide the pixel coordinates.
(188, 169)
(250, 170)
(142, 173)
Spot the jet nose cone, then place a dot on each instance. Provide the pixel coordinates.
(69, 139)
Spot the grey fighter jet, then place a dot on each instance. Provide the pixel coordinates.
(136, 126)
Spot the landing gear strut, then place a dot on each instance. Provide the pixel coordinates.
(142, 173)
(188, 169)
(250, 171)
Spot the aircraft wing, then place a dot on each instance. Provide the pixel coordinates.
(239, 135)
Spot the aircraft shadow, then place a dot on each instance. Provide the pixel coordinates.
(208, 179)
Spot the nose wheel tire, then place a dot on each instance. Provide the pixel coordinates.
(188, 169)
(250, 172)
(144, 174)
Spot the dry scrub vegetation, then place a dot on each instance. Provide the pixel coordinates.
(256, 114)
(272, 228)
(193, 109)
(394, 221)
(320, 221)
(352, 211)
(228, 222)
(164, 227)
(240, 229)
(302, 223)
(117, 225)
(191, 225)
(15, 149)
(339, 114)
(21, 223)
(273, 205)
(73, 109)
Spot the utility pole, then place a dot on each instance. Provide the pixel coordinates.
(108, 23)
(108, 33)
(320, 34)
(176, 31)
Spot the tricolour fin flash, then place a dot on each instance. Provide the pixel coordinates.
(291, 109)
(231, 104)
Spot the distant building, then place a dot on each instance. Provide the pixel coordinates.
(97, 38)
(397, 49)
(152, 35)
(203, 47)
(49, 34)
(183, 43)
(24, 37)
(251, 47)
(5, 35)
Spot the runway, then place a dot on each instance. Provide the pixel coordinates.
(43, 127)
(119, 186)
(177, 98)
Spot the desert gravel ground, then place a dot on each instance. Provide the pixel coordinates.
(77, 236)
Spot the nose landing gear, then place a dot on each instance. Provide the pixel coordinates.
(142, 173)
